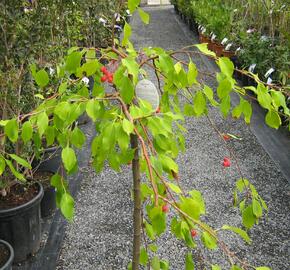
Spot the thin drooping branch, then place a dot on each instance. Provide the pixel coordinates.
(137, 203)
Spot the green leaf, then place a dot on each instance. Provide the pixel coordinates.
(249, 218)
(257, 208)
(145, 17)
(192, 207)
(69, 158)
(27, 131)
(20, 161)
(14, 171)
(155, 263)
(89, 68)
(127, 34)
(128, 127)
(62, 110)
(158, 220)
(42, 123)
(41, 78)
(126, 89)
(189, 264)
(235, 267)
(149, 231)
(132, 5)
(67, 206)
(164, 265)
(224, 88)
(77, 137)
(132, 67)
(203, 48)
(215, 267)
(2, 164)
(168, 163)
(130, 267)
(50, 135)
(226, 66)
(153, 247)
(209, 94)
(174, 188)
(192, 74)
(208, 240)
(238, 231)
(225, 105)
(273, 119)
(11, 130)
(92, 109)
(73, 61)
(199, 103)
(263, 268)
(189, 110)
(143, 257)
(62, 88)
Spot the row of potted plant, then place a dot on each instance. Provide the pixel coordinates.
(256, 31)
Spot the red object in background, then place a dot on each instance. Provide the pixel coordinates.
(226, 162)
(226, 137)
(193, 233)
(165, 208)
(104, 78)
(158, 110)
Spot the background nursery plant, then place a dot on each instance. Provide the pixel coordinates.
(129, 127)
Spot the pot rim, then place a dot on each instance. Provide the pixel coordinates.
(11, 257)
(21, 208)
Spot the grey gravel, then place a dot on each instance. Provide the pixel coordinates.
(100, 236)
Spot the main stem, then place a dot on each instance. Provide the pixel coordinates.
(137, 204)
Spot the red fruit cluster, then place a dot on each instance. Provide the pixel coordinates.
(193, 233)
(108, 76)
(226, 162)
(158, 110)
(165, 208)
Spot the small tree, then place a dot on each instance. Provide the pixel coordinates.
(129, 129)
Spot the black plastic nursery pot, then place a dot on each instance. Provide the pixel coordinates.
(21, 227)
(7, 253)
(50, 164)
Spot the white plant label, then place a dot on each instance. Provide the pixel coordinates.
(269, 72)
(252, 67)
(238, 49)
(224, 41)
(146, 90)
(85, 80)
(228, 46)
(269, 81)
(213, 37)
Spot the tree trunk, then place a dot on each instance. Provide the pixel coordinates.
(137, 204)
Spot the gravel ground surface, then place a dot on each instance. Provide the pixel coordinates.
(100, 236)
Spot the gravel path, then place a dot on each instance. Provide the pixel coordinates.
(100, 236)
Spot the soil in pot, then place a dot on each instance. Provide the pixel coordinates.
(20, 219)
(6, 256)
(18, 195)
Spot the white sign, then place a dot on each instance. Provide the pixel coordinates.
(146, 90)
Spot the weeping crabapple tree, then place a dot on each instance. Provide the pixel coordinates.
(132, 129)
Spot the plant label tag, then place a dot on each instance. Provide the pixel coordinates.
(238, 49)
(228, 46)
(224, 41)
(146, 90)
(269, 81)
(252, 67)
(213, 37)
(269, 72)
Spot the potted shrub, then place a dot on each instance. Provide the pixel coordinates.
(6, 255)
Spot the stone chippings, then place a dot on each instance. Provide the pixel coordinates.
(100, 236)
